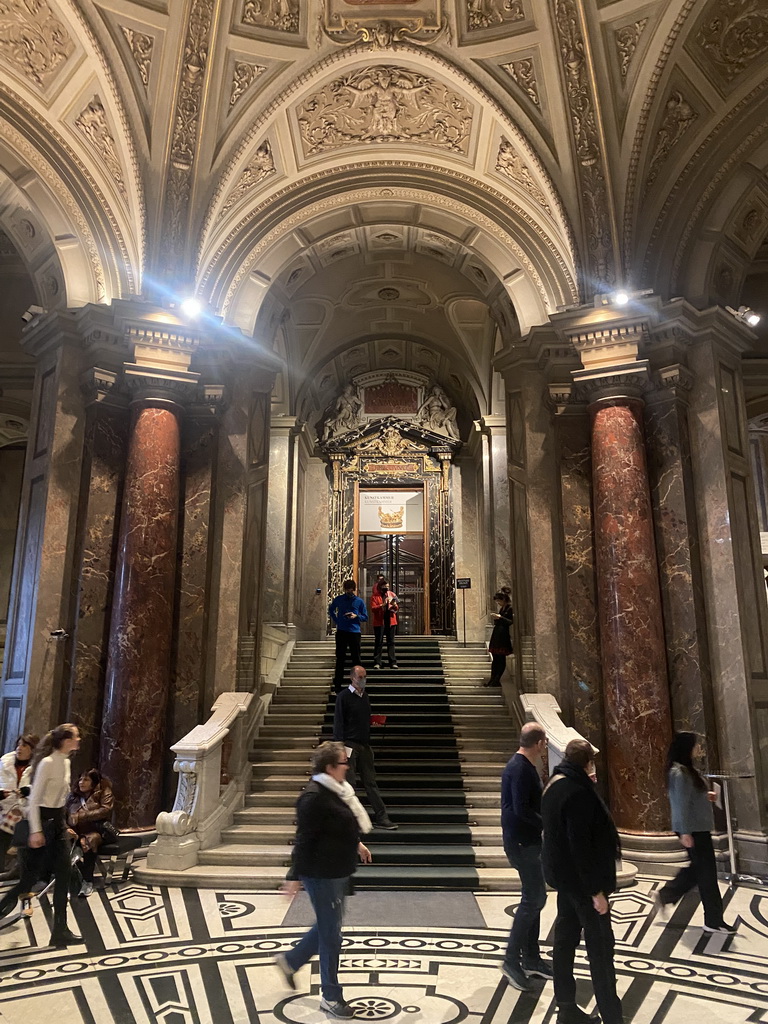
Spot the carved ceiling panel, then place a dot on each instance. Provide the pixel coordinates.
(730, 41)
(35, 42)
(383, 22)
(282, 21)
(482, 20)
(682, 110)
(384, 103)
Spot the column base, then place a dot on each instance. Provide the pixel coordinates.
(654, 853)
(751, 853)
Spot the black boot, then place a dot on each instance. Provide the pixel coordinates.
(571, 1013)
(62, 934)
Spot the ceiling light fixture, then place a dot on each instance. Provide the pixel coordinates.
(191, 307)
(746, 315)
(620, 298)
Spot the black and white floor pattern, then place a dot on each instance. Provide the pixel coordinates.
(178, 956)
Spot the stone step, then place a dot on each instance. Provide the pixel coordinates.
(479, 835)
(404, 855)
(301, 767)
(269, 782)
(287, 797)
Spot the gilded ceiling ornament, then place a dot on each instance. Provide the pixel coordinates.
(245, 74)
(33, 40)
(523, 73)
(141, 47)
(735, 35)
(626, 40)
(679, 115)
(386, 35)
(92, 122)
(510, 162)
(260, 167)
(282, 15)
(490, 13)
(185, 127)
(583, 116)
(384, 104)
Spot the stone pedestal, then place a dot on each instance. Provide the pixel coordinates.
(638, 723)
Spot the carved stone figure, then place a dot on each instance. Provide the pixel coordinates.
(487, 13)
(679, 115)
(384, 103)
(348, 414)
(282, 15)
(510, 162)
(436, 413)
(259, 168)
(33, 40)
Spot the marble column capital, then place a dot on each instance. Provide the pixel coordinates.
(618, 384)
(160, 386)
(102, 387)
(671, 382)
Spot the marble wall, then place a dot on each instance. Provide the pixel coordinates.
(11, 480)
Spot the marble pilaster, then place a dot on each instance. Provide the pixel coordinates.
(500, 569)
(99, 514)
(11, 484)
(580, 595)
(279, 570)
(637, 713)
(670, 471)
(36, 661)
(732, 571)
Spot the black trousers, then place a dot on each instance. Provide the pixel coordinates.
(574, 915)
(498, 666)
(344, 640)
(54, 856)
(380, 633)
(700, 871)
(361, 763)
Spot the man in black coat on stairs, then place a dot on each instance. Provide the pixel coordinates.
(352, 727)
(581, 847)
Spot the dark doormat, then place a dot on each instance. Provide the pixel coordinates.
(404, 909)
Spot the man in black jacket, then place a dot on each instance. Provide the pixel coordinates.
(352, 727)
(581, 847)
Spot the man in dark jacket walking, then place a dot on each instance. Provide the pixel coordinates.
(347, 612)
(581, 847)
(352, 727)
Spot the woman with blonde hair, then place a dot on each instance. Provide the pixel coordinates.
(49, 789)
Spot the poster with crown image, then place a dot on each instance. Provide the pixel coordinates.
(391, 511)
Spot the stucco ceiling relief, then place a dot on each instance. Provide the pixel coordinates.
(484, 14)
(141, 47)
(33, 40)
(381, 104)
(92, 123)
(626, 40)
(185, 131)
(244, 74)
(510, 163)
(523, 74)
(590, 160)
(277, 15)
(730, 39)
(260, 166)
(677, 117)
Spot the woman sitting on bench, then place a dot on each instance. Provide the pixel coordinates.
(89, 814)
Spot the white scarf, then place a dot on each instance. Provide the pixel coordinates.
(347, 794)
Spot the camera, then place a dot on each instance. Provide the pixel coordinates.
(59, 634)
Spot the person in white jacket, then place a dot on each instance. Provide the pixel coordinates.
(14, 788)
(49, 789)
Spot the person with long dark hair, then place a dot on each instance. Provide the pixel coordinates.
(500, 646)
(49, 789)
(690, 800)
(89, 806)
(14, 788)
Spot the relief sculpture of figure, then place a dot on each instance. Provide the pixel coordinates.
(436, 413)
(347, 415)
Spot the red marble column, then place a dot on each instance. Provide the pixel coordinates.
(638, 721)
(138, 668)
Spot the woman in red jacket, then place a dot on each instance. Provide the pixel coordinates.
(384, 609)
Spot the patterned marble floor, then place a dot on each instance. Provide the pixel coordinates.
(187, 957)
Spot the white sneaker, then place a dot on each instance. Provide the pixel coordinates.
(722, 929)
(284, 967)
(337, 1009)
(86, 889)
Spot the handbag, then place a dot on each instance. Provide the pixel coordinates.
(109, 833)
(21, 833)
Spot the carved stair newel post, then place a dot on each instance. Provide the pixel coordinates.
(633, 652)
(139, 652)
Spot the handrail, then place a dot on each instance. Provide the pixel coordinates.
(543, 708)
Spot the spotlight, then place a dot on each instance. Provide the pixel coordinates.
(620, 298)
(191, 308)
(746, 315)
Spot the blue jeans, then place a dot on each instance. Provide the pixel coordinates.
(324, 937)
(524, 935)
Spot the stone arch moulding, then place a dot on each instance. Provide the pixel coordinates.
(538, 276)
(96, 260)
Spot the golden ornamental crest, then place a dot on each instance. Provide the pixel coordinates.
(391, 520)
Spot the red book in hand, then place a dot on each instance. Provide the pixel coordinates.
(378, 719)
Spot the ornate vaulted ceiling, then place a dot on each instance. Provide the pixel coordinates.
(298, 158)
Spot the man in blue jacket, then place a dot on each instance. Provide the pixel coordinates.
(347, 611)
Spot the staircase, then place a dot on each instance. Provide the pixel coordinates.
(439, 760)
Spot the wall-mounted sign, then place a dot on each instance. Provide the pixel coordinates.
(463, 583)
(391, 512)
(392, 468)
